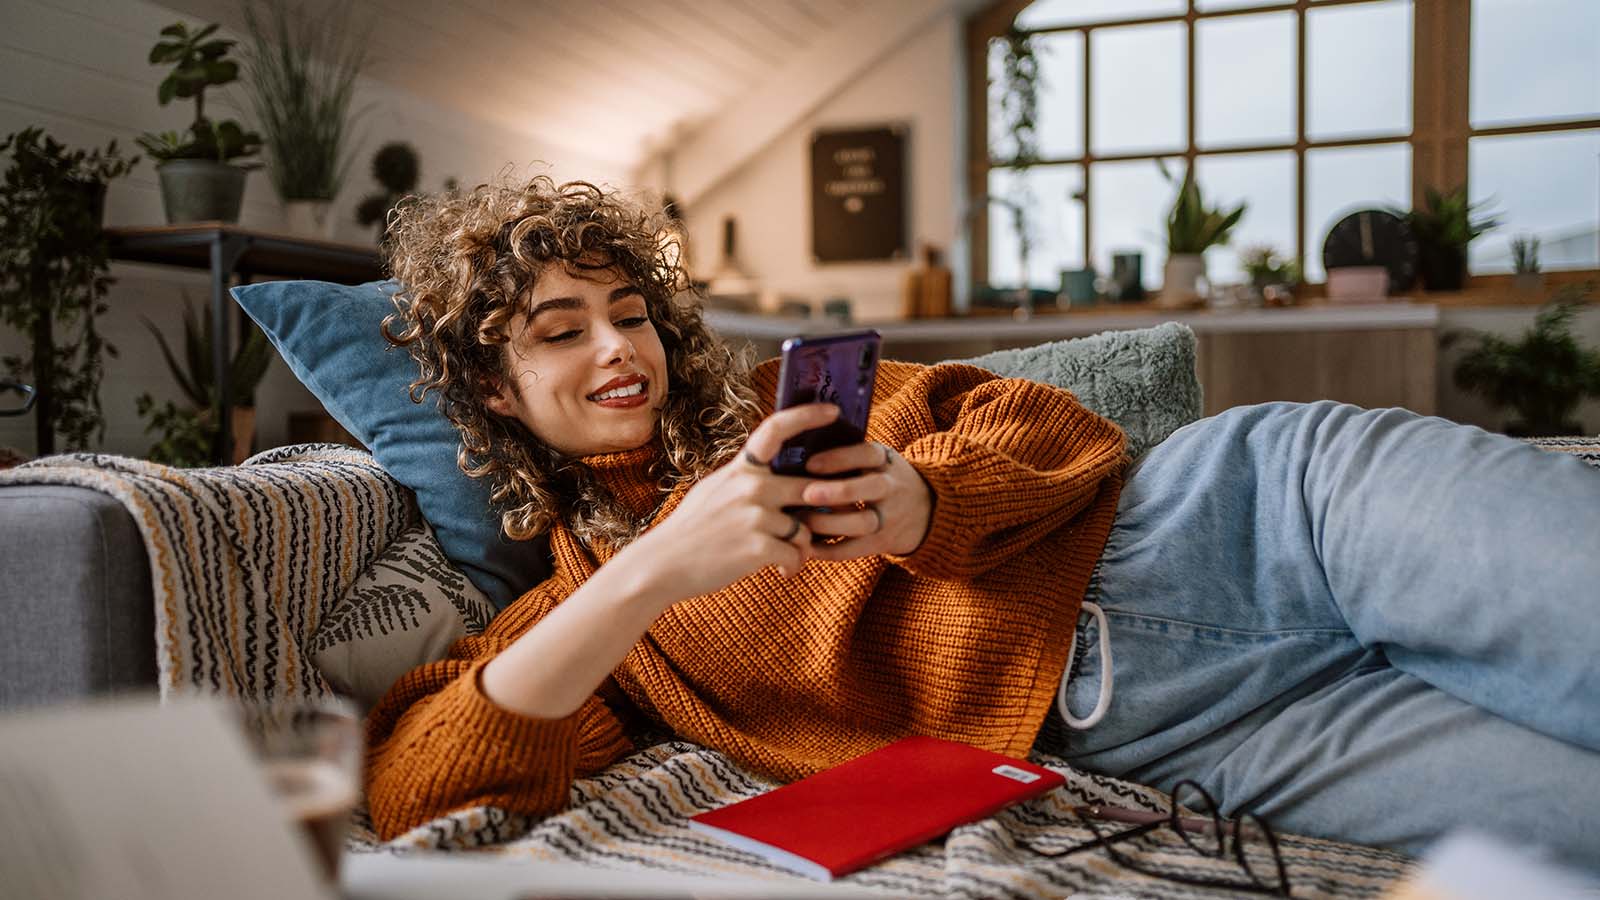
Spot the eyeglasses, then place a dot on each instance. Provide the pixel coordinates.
(10, 406)
(1247, 836)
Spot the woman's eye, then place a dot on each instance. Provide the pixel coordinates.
(563, 337)
(632, 321)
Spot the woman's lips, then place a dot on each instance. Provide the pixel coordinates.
(636, 392)
(638, 399)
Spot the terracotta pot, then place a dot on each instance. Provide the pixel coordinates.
(244, 433)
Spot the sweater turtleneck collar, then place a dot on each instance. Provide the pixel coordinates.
(628, 477)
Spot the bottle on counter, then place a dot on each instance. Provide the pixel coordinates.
(925, 291)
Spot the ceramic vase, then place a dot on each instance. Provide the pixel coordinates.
(1180, 283)
(308, 218)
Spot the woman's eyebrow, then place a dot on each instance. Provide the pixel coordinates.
(577, 302)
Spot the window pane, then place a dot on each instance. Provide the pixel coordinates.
(1130, 201)
(1534, 61)
(1358, 63)
(1060, 94)
(1341, 180)
(1055, 224)
(1138, 82)
(1048, 13)
(1545, 185)
(1246, 73)
(1209, 5)
(1265, 181)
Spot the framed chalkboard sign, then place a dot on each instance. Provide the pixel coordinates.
(858, 195)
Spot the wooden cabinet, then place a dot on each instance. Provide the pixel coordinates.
(1371, 368)
(1374, 356)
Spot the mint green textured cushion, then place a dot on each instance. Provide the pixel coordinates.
(1143, 380)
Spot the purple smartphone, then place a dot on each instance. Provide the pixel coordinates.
(832, 368)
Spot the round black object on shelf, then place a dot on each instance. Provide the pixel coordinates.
(1373, 237)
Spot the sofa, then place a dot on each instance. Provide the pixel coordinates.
(120, 575)
(75, 589)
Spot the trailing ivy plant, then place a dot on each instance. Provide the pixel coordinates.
(54, 274)
(1019, 115)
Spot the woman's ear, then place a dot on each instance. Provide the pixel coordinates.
(495, 398)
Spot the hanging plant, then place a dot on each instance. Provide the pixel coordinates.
(54, 274)
(1019, 115)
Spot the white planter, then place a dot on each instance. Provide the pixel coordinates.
(1180, 283)
(308, 218)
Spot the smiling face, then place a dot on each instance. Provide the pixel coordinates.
(588, 373)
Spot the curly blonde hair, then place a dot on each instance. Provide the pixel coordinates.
(467, 262)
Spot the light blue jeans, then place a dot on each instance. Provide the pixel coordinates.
(1368, 625)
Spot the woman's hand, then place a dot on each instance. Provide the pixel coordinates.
(732, 522)
(892, 504)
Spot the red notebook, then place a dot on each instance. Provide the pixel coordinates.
(876, 805)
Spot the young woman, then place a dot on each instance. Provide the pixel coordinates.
(1367, 624)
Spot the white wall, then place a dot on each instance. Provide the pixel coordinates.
(78, 69)
(918, 84)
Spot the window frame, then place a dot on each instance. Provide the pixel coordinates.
(1440, 132)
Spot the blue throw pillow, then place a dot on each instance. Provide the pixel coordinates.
(329, 335)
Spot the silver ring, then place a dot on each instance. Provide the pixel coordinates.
(751, 459)
(794, 530)
(879, 513)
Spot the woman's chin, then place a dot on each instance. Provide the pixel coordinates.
(624, 440)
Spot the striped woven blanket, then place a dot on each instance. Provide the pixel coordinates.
(634, 816)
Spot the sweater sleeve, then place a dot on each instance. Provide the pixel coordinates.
(437, 743)
(1008, 461)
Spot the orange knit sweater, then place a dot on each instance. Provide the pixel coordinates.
(964, 639)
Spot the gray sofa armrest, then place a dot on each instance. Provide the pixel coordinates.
(75, 596)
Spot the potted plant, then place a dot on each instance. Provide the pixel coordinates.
(1443, 228)
(199, 179)
(395, 167)
(1192, 228)
(301, 73)
(1273, 278)
(54, 274)
(1543, 375)
(195, 377)
(1526, 278)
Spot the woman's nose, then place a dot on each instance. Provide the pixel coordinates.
(616, 347)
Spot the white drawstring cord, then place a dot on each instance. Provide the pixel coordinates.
(1102, 704)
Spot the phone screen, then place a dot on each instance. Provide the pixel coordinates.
(840, 369)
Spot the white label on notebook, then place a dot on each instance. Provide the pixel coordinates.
(1015, 774)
